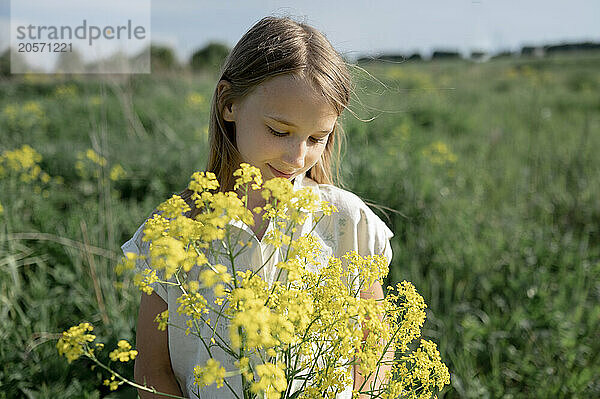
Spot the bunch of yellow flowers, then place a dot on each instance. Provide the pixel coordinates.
(21, 173)
(299, 335)
(77, 342)
(24, 164)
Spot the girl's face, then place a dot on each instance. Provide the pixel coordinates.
(281, 126)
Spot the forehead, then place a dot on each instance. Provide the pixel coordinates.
(292, 98)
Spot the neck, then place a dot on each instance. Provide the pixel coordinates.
(255, 199)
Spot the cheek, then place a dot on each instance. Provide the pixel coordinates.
(245, 145)
(313, 156)
(256, 146)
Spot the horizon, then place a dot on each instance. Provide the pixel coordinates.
(384, 27)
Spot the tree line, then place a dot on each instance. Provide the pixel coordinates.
(210, 57)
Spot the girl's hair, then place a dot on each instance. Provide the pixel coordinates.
(276, 46)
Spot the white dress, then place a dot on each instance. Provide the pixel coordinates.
(353, 227)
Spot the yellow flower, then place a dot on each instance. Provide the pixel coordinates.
(167, 253)
(90, 164)
(213, 275)
(32, 107)
(112, 383)
(193, 305)
(438, 153)
(74, 342)
(127, 262)
(117, 173)
(26, 117)
(305, 247)
(294, 268)
(219, 291)
(45, 177)
(95, 157)
(243, 366)
(23, 163)
(272, 380)
(173, 207)
(277, 238)
(278, 188)
(192, 286)
(202, 181)
(65, 91)
(372, 268)
(145, 280)
(123, 353)
(328, 208)
(248, 174)
(162, 319)
(194, 100)
(10, 112)
(211, 373)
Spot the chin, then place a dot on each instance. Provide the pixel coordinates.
(274, 172)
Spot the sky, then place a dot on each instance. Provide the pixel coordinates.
(370, 28)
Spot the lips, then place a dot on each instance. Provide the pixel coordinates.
(279, 173)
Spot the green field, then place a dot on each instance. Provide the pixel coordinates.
(488, 174)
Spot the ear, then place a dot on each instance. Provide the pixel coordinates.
(227, 109)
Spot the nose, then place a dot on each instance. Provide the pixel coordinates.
(295, 154)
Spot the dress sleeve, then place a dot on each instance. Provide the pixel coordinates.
(139, 247)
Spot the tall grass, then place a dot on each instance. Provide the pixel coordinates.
(490, 170)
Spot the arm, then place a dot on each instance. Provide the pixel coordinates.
(375, 291)
(153, 365)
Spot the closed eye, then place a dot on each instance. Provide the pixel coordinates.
(321, 140)
(283, 134)
(276, 133)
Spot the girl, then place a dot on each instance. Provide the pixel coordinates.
(276, 107)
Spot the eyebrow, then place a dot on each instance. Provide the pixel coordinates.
(283, 121)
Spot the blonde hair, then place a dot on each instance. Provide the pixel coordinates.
(276, 46)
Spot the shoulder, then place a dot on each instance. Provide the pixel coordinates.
(349, 205)
(354, 210)
(136, 244)
(356, 226)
